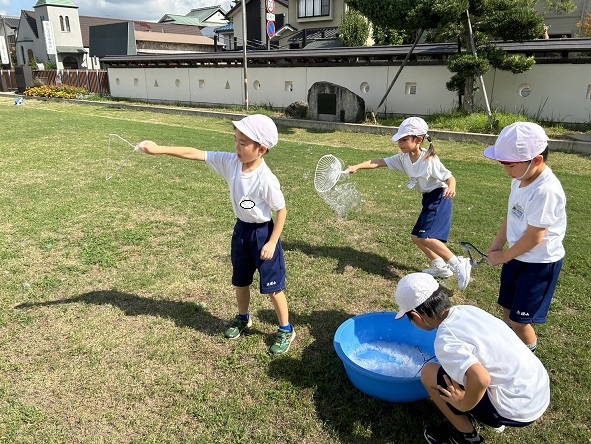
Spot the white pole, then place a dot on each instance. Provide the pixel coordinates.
(244, 58)
(490, 117)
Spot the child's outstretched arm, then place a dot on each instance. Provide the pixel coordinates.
(367, 165)
(268, 249)
(149, 147)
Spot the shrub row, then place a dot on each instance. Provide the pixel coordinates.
(57, 92)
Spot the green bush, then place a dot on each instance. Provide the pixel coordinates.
(56, 92)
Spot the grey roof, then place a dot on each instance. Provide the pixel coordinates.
(564, 50)
(325, 43)
(12, 22)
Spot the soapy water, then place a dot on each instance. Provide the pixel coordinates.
(390, 358)
(343, 198)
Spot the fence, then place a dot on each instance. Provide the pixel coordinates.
(7, 80)
(95, 81)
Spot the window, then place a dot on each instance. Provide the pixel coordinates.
(67, 24)
(524, 90)
(62, 23)
(410, 88)
(313, 8)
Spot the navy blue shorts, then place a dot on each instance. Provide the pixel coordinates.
(434, 222)
(247, 242)
(484, 411)
(527, 290)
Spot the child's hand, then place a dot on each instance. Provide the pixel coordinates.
(148, 147)
(351, 170)
(450, 192)
(495, 258)
(268, 251)
(453, 393)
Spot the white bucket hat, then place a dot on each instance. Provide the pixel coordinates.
(259, 128)
(412, 290)
(413, 126)
(518, 142)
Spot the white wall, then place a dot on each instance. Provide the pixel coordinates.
(559, 92)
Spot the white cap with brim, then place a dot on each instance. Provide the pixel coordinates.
(259, 128)
(413, 126)
(518, 142)
(412, 290)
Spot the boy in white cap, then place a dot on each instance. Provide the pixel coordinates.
(533, 229)
(437, 186)
(485, 372)
(255, 193)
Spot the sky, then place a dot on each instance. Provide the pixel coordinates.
(146, 10)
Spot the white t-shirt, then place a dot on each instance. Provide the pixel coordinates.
(519, 384)
(540, 204)
(428, 174)
(254, 195)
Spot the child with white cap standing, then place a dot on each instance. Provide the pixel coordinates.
(533, 229)
(255, 193)
(437, 186)
(485, 372)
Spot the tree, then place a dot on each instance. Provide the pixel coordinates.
(354, 29)
(447, 21)
(585, 26)
(388, 36)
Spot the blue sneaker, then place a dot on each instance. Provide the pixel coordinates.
(237, 327)
(283, 340)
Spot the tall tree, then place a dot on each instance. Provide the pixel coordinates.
(354, 29)
(447, 21)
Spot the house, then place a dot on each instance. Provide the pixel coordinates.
(8, 27)
(207, 19)
(54, 32)
(565, 25)
(298, 23)
(256, 23)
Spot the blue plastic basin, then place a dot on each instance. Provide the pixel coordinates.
(382, 326)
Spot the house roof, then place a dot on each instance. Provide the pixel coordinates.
(325, 43)
(63, 3)
(204, 13)
(222, 29)
(29, 16)
(11, 22)
(173, 38)
(181, 20)
(197, 17)
(546, 51)
(86, 22)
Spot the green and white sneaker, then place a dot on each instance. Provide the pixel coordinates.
(237, 327)
(283, 340)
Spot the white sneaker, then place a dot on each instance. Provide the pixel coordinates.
(439, 272)
(462, 271)
(500, 429)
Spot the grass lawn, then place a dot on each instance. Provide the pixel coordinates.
(114, 295)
